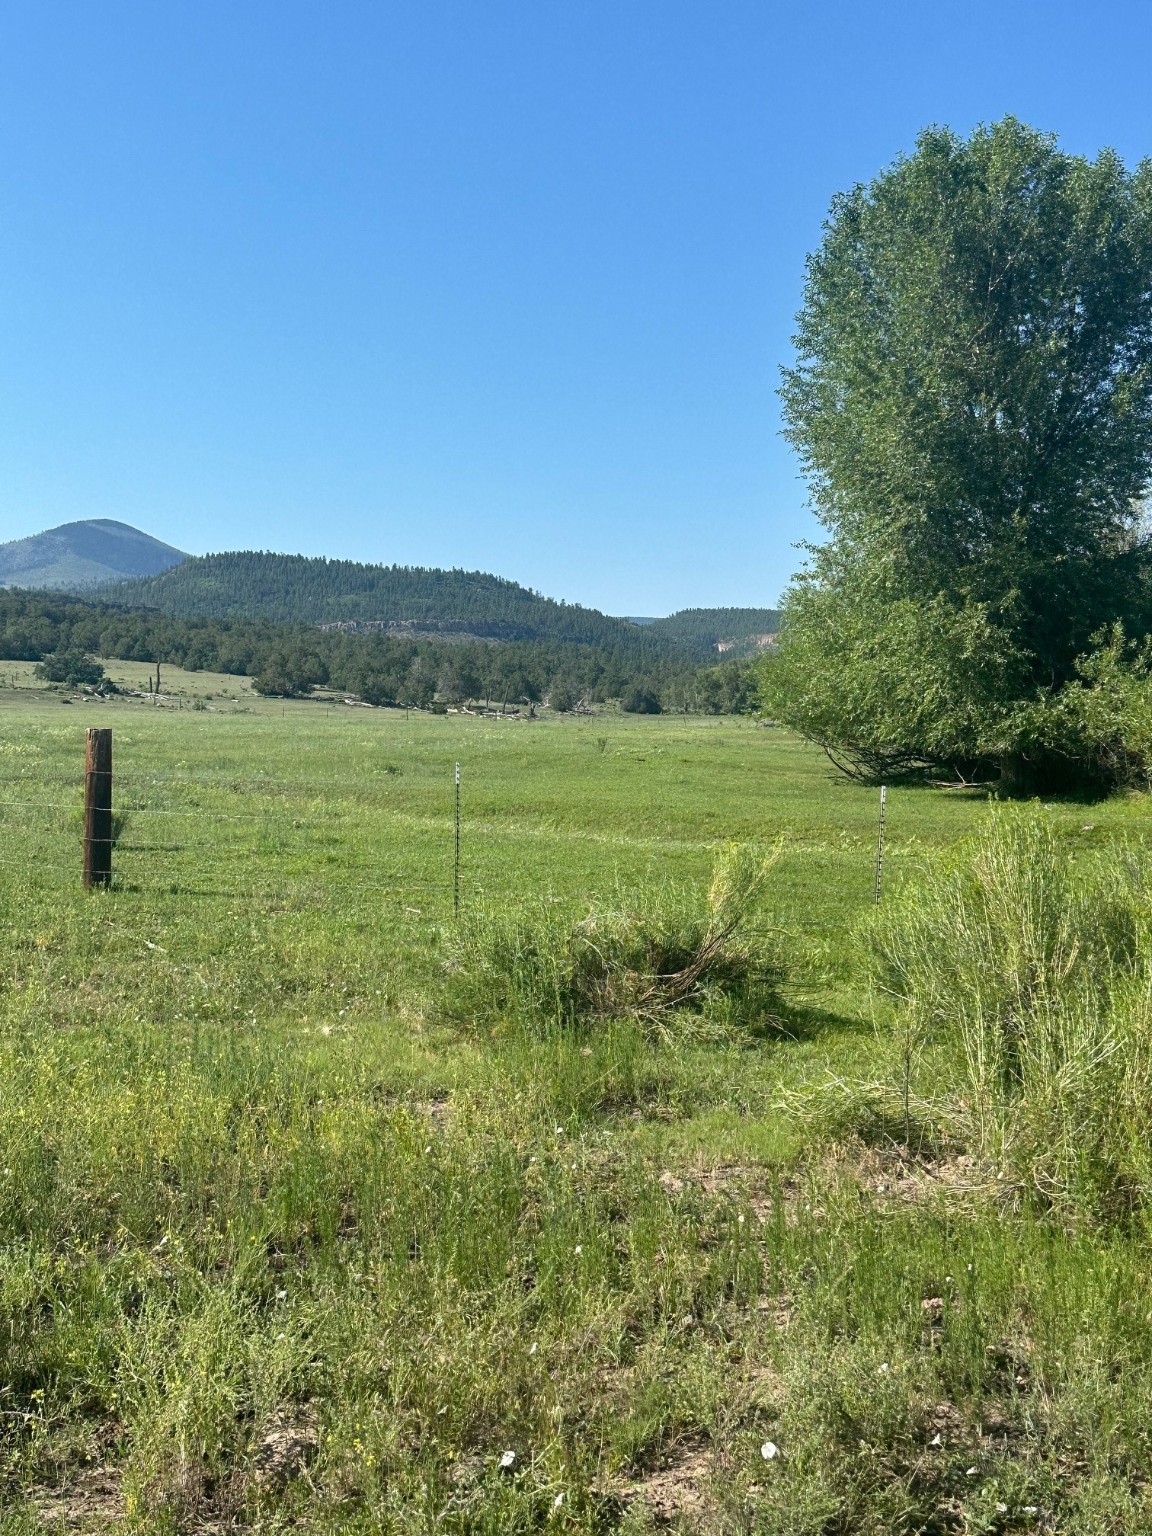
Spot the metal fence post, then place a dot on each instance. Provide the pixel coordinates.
(456, 862)
(880, 840)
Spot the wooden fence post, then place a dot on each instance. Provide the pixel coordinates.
(98, 807)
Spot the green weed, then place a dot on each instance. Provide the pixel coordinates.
(653, 955)
(1033, 965)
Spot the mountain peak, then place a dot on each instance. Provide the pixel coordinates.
(84, 554)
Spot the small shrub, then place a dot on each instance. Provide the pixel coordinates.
(72, 667)
(647, 957)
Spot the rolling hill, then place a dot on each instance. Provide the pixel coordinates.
(345, 594)
(76, 556)
(729, 632)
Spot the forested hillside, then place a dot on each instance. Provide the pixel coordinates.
(410, 669)
(299, 589)
(717, 631)
(393, 634)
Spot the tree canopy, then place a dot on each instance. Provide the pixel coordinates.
(72, 667)
(972, 404)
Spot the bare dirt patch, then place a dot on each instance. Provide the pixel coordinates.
(887, 1175)
(896, 1175)
(288, 1443)
(679, 1487)
(733, 1181)
(90, 1501)
(913, 1182)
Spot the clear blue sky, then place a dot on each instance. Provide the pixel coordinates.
(496, 283)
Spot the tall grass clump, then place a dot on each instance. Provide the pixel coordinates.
(1032, 964)
(659, 953)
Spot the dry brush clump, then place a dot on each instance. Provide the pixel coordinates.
(652, 956)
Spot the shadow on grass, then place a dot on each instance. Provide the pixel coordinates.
(805, 1023)
(1051, 794)
(1050, 788)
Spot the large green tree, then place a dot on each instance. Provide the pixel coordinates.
(972, 404)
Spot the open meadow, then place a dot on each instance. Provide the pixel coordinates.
(309, 1221)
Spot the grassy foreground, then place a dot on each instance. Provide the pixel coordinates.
(282, 1249)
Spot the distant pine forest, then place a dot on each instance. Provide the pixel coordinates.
(297, 589)
(645, 672)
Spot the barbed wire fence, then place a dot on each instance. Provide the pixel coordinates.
(182, 834)
(196, 834)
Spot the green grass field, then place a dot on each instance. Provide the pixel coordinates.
(282, 1249)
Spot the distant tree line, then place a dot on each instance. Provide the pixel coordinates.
(415, 670)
